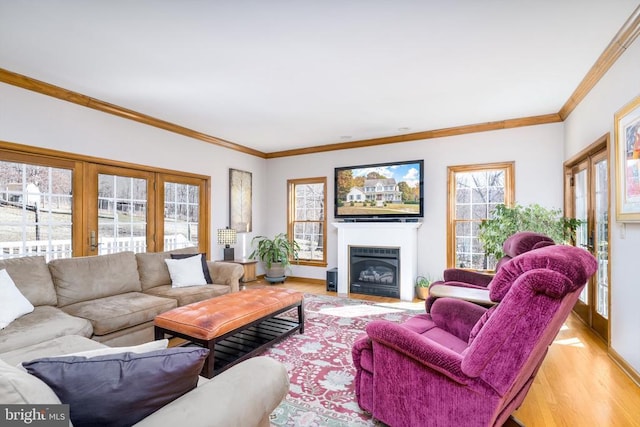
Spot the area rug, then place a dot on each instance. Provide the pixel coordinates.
(319, 362)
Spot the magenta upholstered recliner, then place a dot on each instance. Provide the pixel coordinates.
(516, 244)
(463, 364)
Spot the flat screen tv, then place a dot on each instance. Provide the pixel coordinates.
(381, 191)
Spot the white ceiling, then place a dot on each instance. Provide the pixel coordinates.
(284, 74)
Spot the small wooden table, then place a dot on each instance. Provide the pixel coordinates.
(249, 266)
(234, 326)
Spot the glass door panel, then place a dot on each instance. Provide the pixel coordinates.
(119, 203)
(181, 215)
(36, 210)
(580, 212)
(122, 214)
(600, 295)
(589, 178)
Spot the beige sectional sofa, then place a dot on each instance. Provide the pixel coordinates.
(109, 298)
(86, 302)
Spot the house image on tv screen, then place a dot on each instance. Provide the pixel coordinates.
(377, 190)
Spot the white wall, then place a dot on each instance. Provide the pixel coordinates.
(592, 119)
(32, 119)
(536, 150)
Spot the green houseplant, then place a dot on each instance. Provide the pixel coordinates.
(422, 286)
(507, 220)
(276, 254)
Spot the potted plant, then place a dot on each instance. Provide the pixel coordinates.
(506, 221)
(422, 286)
(276, 254)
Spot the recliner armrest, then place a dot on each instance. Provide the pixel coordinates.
(422, 349)
(467, 276)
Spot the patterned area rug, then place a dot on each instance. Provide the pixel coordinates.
(319, 361)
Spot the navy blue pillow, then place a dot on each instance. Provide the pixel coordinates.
(205, 268)
(120, 389)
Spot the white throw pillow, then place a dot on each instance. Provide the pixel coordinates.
(186, 271)
(12, 303)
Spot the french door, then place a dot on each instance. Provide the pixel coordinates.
(588, 200)
(61, 205)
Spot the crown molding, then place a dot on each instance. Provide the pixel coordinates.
(429, 134)
(621, 41)
(48, 89)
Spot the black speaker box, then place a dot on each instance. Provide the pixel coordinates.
(332, 280)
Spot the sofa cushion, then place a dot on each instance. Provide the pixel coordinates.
(12, 303)
(53, 347)
(186, 271)
(153, 270)
(18, 387)
(187, 295)
(31, 275)
(88, 278)
(203, 260)
(136, 384)
(44, 323)
(117, 312)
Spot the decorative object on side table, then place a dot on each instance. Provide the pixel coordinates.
(276, 254)
(422, 286)
(627, 152)
(227, 237)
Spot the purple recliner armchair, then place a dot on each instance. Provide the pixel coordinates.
(516, 244)
(464, 364)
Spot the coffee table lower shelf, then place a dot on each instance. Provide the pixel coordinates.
(250, 342)
(240, 344)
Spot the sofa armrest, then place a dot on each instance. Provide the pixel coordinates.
(226, 273)
(244, 395)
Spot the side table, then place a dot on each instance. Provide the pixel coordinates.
(249, 266)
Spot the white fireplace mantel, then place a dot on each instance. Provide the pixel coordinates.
(402, 235)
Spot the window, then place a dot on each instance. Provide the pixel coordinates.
(474, 192)
(307, 220)
(61, 205)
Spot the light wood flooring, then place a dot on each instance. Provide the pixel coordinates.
(578, 384)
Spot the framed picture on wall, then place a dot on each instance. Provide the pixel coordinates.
(627, 152)
(240, 200)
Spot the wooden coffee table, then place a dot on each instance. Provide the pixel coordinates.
(235, 326)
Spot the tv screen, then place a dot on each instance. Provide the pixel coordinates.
(380, 191)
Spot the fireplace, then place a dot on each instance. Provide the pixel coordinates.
(400, 235)
(374, 271)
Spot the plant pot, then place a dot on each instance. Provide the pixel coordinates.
(275, 274)
(422, 292)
